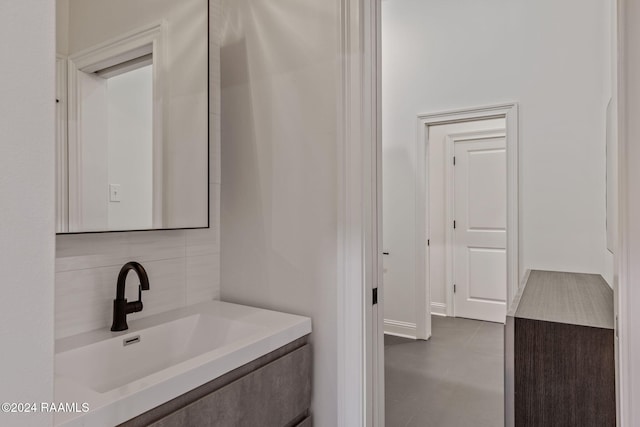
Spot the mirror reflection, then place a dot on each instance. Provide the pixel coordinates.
(132, 115)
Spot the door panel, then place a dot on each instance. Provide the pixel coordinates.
(480, 209)
(486, 267)
(487, 189)
(92, 151)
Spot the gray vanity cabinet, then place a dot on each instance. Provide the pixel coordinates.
(559, 353)
(272, 391)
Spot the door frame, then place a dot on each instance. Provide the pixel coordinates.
(62, 168)
(138, 41)
(360, 340)
(449, 191)
(508, 111)
(626, 270)
(359, 54)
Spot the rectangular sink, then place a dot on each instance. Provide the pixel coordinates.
(121, 375)
(115, 362)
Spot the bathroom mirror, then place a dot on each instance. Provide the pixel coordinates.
(132, 105)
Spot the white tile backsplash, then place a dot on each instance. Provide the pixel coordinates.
(214, 154)
(183, 265)
(84, 297)
(206, 242)
(76, 252)
(201, 271)
(183, 268)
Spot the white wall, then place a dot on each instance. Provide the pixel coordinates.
(130, 144)
(279, 167)
(611, 91)
(62, 27)
(439, 56)
(183, 265)
(27, 213)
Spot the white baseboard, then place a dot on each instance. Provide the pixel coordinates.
(400, 329)
(438, 309)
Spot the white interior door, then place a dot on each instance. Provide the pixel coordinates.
(439, 216)
(480, 214)
(89, 157)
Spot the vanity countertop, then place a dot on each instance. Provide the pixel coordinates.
(570, 298)
(169, 354)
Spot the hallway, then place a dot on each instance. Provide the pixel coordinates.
(455, 379)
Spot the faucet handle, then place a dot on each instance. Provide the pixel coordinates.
(134, 307)
(137, 305)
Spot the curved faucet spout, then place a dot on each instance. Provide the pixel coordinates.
(122, 278)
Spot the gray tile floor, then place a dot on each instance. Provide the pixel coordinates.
(455, 379)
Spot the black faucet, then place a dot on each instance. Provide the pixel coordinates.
(120, 305)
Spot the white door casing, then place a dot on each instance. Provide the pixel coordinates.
(479, 229)
(360, 367)
(509, 112)
(62, 188)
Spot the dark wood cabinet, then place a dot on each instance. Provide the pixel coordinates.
(559, 352)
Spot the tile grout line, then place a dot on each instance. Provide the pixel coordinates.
(186, 275)
(119, 264)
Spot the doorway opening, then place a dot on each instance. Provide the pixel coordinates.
(466, 226)
(476, 247)
(113, 103)
(439, 57)
(467, 205)
(486, 275)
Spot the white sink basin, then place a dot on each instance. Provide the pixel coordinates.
(123, 374)
(118, 361)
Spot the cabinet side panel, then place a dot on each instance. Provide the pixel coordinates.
(564, 375)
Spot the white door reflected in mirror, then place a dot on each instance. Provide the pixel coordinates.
(133, 116)
(116, 114)
(130, 149)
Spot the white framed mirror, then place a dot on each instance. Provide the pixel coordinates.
(132, 115)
